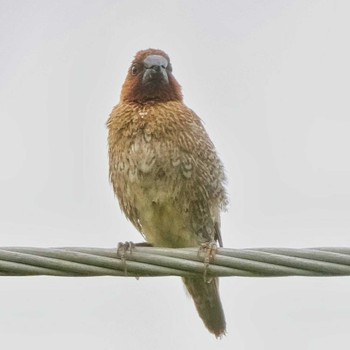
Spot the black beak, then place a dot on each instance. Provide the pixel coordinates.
(155, 69)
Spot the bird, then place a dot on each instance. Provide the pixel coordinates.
(166, 173)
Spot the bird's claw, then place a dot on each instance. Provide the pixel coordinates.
(127, 248)
(124, 249)
(209, 250)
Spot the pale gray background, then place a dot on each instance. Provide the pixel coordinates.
(270, 79)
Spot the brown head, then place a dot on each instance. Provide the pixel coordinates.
(150, 79)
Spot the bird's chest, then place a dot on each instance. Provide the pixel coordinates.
(144, 155)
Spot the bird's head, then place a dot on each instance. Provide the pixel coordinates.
(150, 79)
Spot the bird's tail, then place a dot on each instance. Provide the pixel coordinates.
(208, 304)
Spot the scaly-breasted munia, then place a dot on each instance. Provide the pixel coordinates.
(165, 171)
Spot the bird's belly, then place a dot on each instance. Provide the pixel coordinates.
(164, 223)
(153, 189)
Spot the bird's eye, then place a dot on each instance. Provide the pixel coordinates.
(134, 70)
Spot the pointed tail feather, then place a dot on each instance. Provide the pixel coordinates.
(208, 304)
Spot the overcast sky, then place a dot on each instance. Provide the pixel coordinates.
(270, 79)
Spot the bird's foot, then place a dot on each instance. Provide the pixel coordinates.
(126, 248)
(209, 250)
(122, 250)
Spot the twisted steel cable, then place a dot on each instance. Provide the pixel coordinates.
(147, 261)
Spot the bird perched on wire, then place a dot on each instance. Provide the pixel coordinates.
(165, 171)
